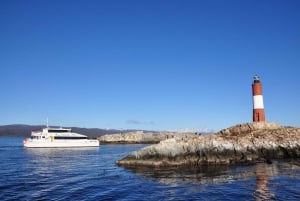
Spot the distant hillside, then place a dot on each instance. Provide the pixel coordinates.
(18, 130)
(25, 130)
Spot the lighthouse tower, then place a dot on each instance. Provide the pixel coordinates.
(258, 104)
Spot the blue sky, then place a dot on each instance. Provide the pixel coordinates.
(157, 65)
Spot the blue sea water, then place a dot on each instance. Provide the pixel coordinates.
(91, 174)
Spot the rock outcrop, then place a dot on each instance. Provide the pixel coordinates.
(138, 137)
(243, 143)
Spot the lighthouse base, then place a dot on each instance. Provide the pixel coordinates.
(258, 115)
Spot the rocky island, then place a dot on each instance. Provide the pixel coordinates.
(139, 137)
(240, 144)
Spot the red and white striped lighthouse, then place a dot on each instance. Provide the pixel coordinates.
(258, 103)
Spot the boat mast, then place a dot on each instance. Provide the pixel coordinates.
(47, 122)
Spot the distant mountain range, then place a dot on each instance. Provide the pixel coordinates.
(25, 130)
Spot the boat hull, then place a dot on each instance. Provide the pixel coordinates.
(60, 143)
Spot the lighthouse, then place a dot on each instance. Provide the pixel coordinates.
(258, 104)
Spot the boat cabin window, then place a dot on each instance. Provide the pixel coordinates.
(58, 131)
(70, 137)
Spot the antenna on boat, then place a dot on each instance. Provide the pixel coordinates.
(47, 122)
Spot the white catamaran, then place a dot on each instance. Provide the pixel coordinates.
(58, 137)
